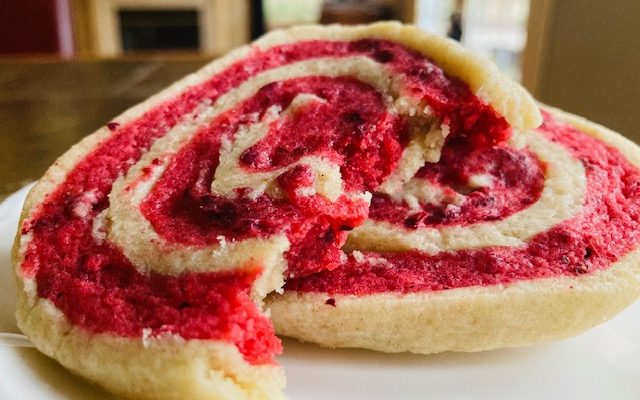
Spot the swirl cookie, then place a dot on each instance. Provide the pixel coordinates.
(145, 251)
(529, 241)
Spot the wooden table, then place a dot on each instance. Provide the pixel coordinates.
(48, 105)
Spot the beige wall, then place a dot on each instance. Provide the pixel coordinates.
(589, 59)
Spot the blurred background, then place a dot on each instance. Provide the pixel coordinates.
(68, 66)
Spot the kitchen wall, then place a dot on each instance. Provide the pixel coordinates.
(588, 60)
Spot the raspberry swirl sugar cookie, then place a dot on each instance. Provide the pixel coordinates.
(529, 241)
(145, 251)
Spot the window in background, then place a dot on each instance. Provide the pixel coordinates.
(494, 28)
(284, 13)
(435, 15)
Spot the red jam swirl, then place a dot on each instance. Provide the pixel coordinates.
(516, 180)
(98, 289)
(604, 231)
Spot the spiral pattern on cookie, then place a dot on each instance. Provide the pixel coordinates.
(536, 238)
(537, 209)
(168, 226)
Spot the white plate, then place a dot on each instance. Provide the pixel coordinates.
(603, 363)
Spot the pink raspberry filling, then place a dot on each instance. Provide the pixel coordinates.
(98, 289)
(605, 230)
